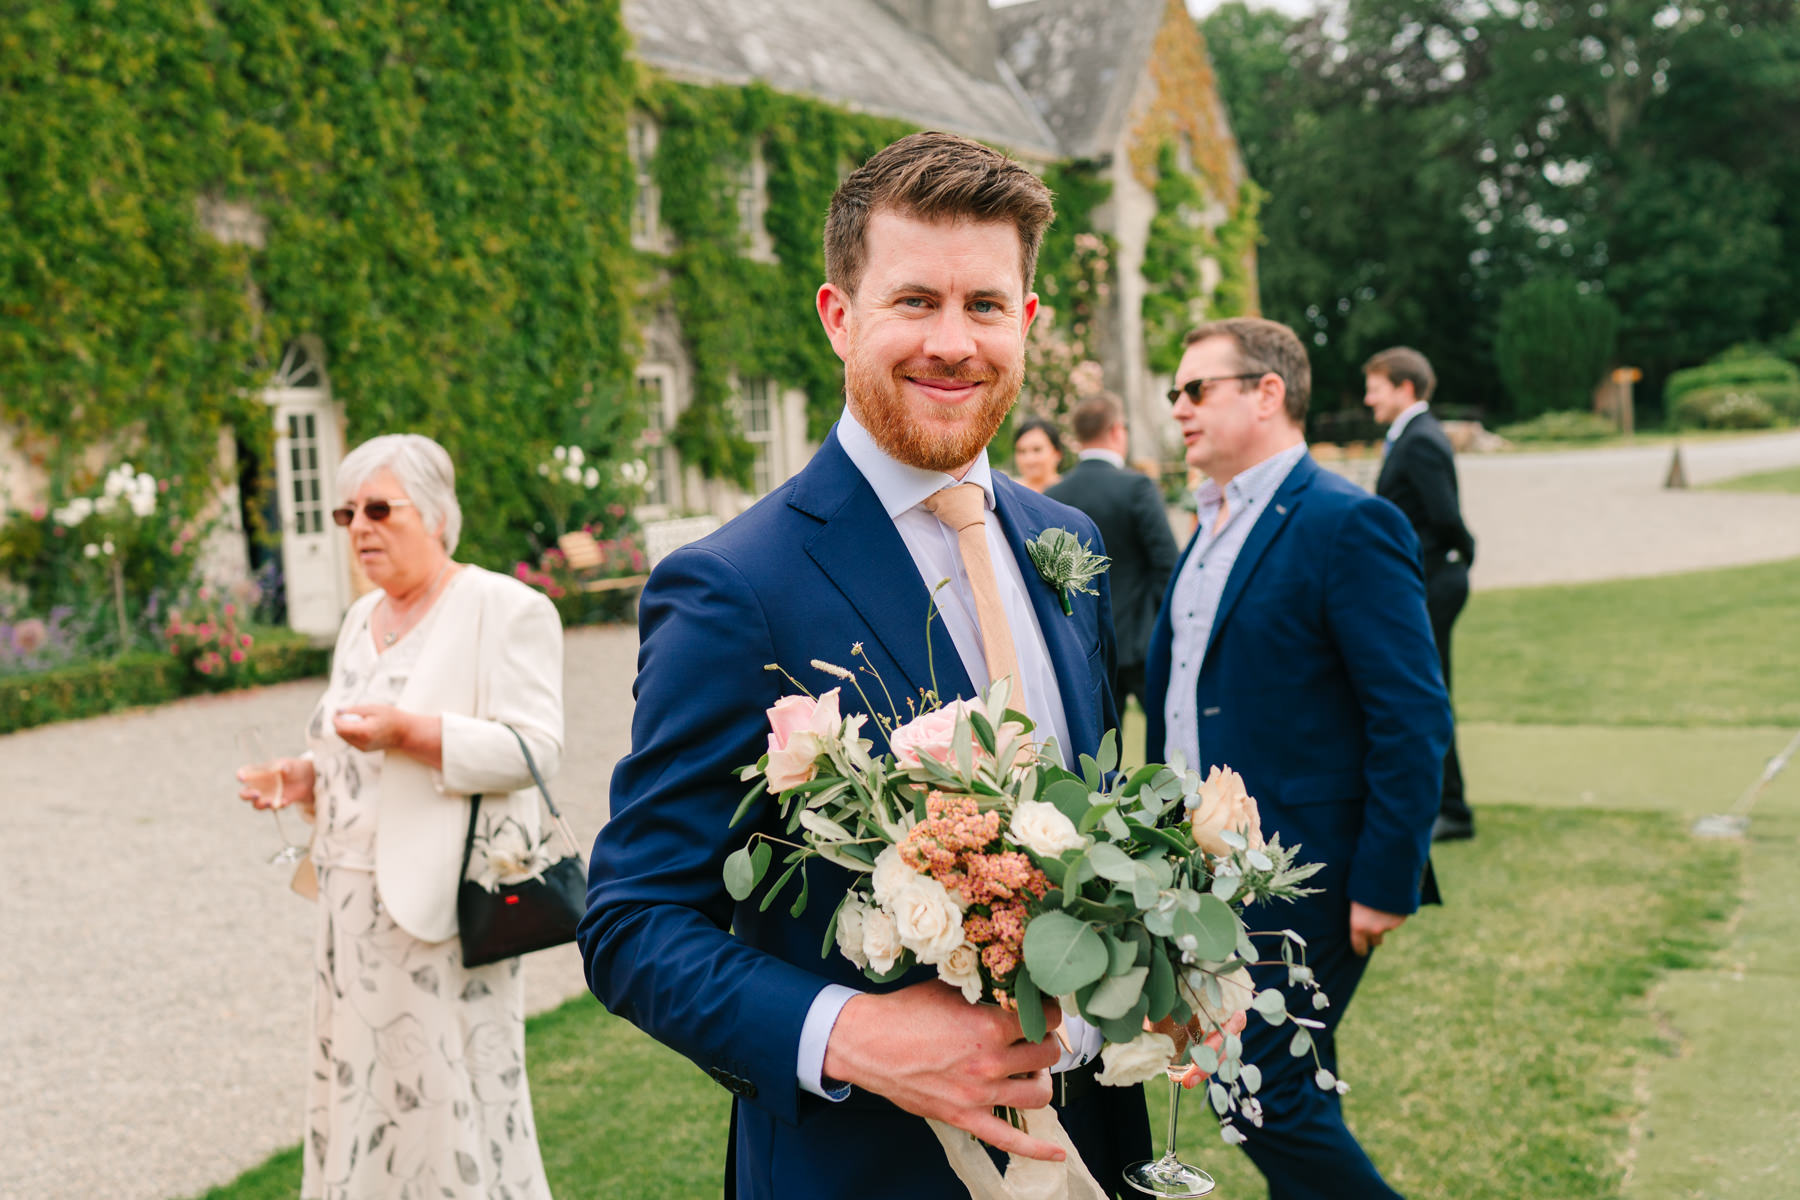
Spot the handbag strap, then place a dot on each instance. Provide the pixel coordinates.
(537, 778)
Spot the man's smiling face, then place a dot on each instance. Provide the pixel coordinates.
(933, 341)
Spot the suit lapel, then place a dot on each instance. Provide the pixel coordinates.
(1268, 526)
(860, 551)
(1062, 637)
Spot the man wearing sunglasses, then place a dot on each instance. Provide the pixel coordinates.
(1293, 646)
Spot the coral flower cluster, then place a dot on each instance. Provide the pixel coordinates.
(952, 845)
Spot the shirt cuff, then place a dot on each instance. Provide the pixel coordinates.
(1084, 1044)
(815, 1034)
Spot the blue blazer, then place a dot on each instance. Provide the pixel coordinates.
(811, 569)
(1321, 687)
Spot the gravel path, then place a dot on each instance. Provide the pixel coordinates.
(155, 998)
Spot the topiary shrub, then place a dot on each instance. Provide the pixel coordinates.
(1722, 408)
(1692, 396)
(1553, 342)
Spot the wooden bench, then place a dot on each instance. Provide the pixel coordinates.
(582, 552)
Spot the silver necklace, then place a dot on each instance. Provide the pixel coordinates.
(393, 635)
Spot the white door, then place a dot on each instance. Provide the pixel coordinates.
(307, 452)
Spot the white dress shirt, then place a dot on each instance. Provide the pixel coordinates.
(1401, 422)
(1103, 455)
(902, 490)
(1194, 605)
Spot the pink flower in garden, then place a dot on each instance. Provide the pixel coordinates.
(522, 570)
(29, 636)
(244, 639)
(237, 656)
(231, 610)
(37, 512)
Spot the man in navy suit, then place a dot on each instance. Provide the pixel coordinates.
(1293, 646)
(1418, 473)
(930, 252)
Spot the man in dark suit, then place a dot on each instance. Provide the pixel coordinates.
(1133, 523)
(1418, 473)
(930, 252)
(1293, 647)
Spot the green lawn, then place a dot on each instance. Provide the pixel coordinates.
(1786, 480)
(1710, 648)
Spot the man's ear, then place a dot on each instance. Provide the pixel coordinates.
(834, 315)
(1271, 396)
(1030, 312)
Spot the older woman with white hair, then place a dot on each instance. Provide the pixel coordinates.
(417, 1077)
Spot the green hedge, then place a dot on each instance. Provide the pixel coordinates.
(1745, 373)
(131, 680)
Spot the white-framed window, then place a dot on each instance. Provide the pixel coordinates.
(656, 397)
(753, 208)
(758, 400)
(646, 200)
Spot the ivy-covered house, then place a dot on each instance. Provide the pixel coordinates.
(772, 100)
(235, 242)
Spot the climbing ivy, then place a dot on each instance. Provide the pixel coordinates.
(1179, 243)
(444, 192)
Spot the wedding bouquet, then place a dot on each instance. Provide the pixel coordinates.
(1118, 896)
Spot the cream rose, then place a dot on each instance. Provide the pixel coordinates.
(932, 733)
(891, 876)
(1042, 828)
(881, 940)
(1235, 993)
(851, 919)
(1222, 805)
(961, 968)
(1143, 1057)
(929, 919)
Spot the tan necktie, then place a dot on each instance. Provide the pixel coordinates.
(964, 509)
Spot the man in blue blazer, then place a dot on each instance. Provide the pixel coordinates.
(1294, 647)
(930, 252)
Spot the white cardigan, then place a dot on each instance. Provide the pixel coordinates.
(492, 658)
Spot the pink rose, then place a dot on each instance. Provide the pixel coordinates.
(931, 733)
(799, 727)
(1222, 805)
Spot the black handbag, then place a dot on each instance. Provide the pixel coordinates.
(517, 918)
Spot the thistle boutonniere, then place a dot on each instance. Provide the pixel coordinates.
(1066, 565)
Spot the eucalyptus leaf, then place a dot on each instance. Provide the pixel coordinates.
(1090, 771)
(1225, 887)
(1117, 994)
(781, 882)
(1221, 1099)
(1213, 926)
(1112, 863)
(1270, 1002)
(1205, 1057)
(1160, 988)
(1228, 1070)
(1251, 1074)
(1325, 1079)
(1070, 797)
(1032, 1021)
(1093, 816)
(1109, 752)
(1121, 955)
(1138, 778)
(1144, 891)
(749, 801)
(1063, 953)
(1162, 924)
(1115, 825)
(740, 874)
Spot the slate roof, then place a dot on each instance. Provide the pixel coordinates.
(851, 52)
(1080, 61)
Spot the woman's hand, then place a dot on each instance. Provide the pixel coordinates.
(372, 727)
(257, 789)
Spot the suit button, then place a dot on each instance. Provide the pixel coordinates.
(737, 1085)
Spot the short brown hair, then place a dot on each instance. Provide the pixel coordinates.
(1270, 347)
(934, 177)
(1094, 417)
(1403, 364)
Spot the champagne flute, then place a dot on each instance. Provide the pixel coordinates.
(263, 775)
(1168, 1175)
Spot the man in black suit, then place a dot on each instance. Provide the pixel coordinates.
(1418, 474)
(1134, 525)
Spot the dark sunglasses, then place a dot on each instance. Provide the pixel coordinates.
(375, 510)
(1195, 388)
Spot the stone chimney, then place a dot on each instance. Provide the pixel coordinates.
(963, 29)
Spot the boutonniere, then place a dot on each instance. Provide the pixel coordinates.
(1066, 564)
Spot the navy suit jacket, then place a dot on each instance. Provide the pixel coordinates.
(1321, 687)
(810, 570)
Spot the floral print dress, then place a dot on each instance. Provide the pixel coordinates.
(417, 1085)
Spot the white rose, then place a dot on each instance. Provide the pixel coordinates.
(1042, 828)
(851, 918)
(929, 920)
(795, 763)
(891, 876)
(1142, 1058)
(961, 968)
(881, 940)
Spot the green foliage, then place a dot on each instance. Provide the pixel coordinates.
(90, 688)
(1561, 426)
(1746, 372)
(1553, 343)
(444, 194)
(1744, 387)
(1176, 299)
(1728, 408)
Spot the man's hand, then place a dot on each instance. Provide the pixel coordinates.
(1369, 925)
(936, 1055)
